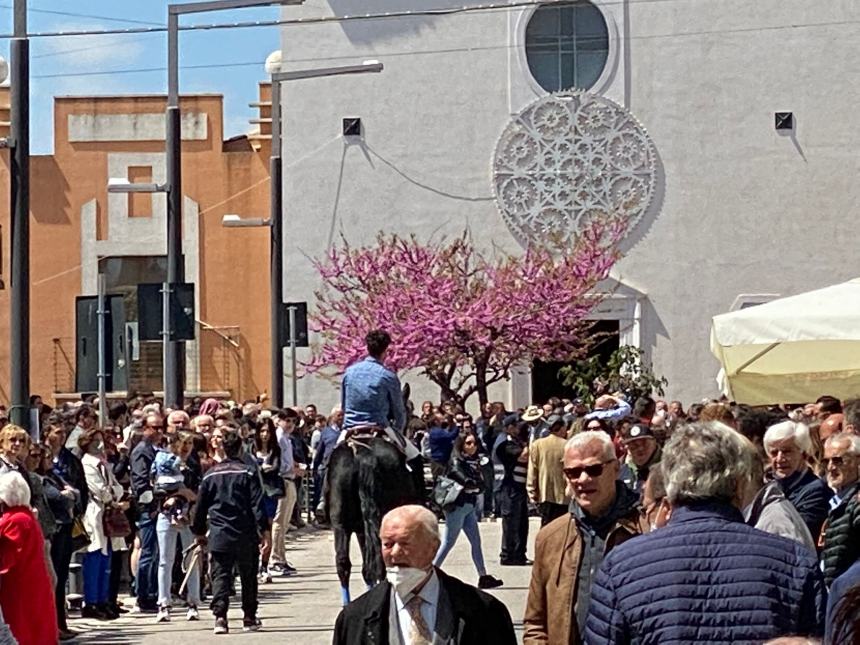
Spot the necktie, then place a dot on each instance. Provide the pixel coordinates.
(420, 633)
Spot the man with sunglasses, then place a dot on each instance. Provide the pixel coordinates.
(142, 456)
(569, 550)
(841, 535)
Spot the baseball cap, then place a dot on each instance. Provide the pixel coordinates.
(637, 431)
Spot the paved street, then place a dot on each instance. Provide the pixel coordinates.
(303, 608)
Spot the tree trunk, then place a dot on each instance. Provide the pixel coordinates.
(481, 383)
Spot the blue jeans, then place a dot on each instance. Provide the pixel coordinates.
(167, 534)
(96, 577)
(147, 569)
(462, 518)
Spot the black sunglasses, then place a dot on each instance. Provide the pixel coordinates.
(594, 470)
(836, 461)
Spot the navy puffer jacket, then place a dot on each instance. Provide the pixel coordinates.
(706, 578)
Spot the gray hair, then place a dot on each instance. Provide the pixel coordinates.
(582, 439)
(789, 430)
(420, 515)
(852, 440)
(707, 461)
(14, 490)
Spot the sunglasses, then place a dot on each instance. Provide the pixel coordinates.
(156, 427)
(833, 461)
(594, 470)
(596, 426)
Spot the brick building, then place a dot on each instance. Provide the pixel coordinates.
(78, 230)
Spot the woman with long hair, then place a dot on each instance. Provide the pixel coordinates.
(216, 446)
(268, 455)
(465, 469)
(105, 493)
(173, 521)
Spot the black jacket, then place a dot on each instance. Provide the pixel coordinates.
(467, 471)
(231, 498)
(810, 496)
(141, 482)
(465, 616)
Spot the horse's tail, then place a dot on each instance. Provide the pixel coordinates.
(370, 492)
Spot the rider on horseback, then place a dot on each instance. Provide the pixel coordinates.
(371, 397)
(373, 404)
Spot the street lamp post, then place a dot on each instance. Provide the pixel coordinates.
(275, 220)
(19, 351)
(173, 372)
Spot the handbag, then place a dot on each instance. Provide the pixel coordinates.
(446, 491)
(80, 539)
(115, 523)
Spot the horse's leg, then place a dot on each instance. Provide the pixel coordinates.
(370, 584)
(342, 561)
(373, 569)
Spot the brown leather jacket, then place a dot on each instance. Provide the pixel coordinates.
(558, 551)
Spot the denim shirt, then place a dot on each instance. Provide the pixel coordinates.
(370, 395)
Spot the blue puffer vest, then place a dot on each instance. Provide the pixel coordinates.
(706, 578)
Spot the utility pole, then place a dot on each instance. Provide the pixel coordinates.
(174, 395)
(20, 214)
(276, 257)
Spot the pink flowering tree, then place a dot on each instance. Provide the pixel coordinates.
(462, 318)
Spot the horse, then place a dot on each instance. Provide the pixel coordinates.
(367, 477)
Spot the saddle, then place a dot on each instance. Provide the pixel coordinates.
(360, 436)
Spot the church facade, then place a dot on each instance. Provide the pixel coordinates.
(723, 131)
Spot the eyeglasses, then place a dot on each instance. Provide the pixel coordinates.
(594, 470)
(596, 426)
(159, 427)
(469, 442)
(833, 461)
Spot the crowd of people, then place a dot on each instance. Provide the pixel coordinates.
(135, 495)
(718, 523)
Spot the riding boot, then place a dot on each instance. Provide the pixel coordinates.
(416, 466)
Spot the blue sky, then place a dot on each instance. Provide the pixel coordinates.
(66, 66)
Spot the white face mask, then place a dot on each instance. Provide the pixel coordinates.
(405, 579)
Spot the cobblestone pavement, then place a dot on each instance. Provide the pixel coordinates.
(303, 608)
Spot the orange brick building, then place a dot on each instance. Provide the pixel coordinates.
(78, 230)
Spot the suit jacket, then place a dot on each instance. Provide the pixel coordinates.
(464, 616)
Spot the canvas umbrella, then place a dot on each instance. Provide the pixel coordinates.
(791, 350)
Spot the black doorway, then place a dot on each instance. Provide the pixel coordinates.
(545, 379)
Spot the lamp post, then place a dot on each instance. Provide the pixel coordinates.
(173, 385)
(275, 221)
(19, 351)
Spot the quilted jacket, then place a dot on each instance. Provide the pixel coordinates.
(706, 578)
(842, 536)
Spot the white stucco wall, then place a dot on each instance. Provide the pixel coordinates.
(745, 209)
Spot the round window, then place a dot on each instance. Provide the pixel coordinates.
(567, 45)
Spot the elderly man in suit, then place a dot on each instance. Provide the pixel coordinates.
(419, 604)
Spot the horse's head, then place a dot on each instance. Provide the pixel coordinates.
(410, 408)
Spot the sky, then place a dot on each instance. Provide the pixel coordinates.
(105, 64)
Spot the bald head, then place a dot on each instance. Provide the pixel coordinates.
(410, 537)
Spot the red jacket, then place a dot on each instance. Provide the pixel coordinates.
(26, 592)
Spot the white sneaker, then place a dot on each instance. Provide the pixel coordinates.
(163, 615)
(192, 613)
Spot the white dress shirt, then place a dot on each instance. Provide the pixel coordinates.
(429, 595)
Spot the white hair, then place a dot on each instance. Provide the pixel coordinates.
(14, 490)
(851, 439)
(789, 430)
(423, 516)
(583, 439)
(707, 461)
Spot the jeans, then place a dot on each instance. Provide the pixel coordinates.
(96, 577)
(456, 519)
(243, 557)
(167, 534)
(515, 522)
(147, 568)
(281, 522)
(61, 557)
